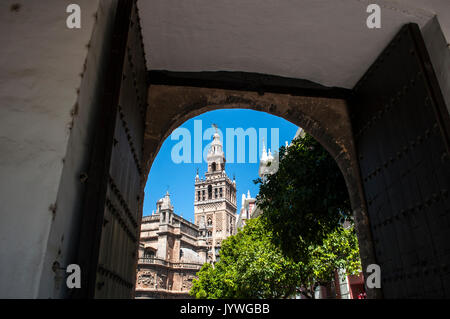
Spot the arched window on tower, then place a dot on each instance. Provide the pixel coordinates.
(209, 192)
(213, 166)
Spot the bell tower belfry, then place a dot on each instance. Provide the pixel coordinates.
(215, 200)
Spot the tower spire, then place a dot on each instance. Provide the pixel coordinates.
(216, 157)
(217, 187)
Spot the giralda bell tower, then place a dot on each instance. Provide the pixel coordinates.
(215, 201)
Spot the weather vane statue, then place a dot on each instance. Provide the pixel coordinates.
(215, 127)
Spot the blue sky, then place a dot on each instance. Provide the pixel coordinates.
(178, 178)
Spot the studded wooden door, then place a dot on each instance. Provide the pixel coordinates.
(110, 231)
(401, 127)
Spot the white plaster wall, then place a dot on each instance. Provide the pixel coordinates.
(40, 65)
(439, 51)
(325, 41)
(439, 8)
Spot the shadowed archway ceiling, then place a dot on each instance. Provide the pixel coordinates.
(324, 41)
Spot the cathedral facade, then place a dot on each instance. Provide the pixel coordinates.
(171, 252)
(172, 249)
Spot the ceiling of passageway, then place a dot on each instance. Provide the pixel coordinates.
(325, 41)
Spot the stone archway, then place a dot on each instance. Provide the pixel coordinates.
(326, 119)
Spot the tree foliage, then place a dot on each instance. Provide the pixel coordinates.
(298, 242)
(305, 200)
(251, 266)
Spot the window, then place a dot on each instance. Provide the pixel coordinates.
(209, 221)
(209, 192)
(198, 195)
(215, 193)
(149, 253)
(213, 167)
(221, 192)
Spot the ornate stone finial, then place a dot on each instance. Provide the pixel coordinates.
(263, 158)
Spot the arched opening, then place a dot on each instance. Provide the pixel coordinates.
(325, 119)
(81, 162)
(211, 191)
(325, 113)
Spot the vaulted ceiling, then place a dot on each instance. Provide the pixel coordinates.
(324, 41)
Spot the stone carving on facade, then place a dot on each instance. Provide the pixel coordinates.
(219, 222)
(187, 282)
(146, 279)
(161, 282)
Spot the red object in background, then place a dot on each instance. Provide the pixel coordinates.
(356, 283)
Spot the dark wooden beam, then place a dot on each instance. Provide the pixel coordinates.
(244, 81)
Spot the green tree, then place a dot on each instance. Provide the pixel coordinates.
(338, 251)
(251, 266)
(305, 200)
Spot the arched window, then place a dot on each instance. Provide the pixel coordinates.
(213, 166)
(149, 253)
(209, 221)
(209, 192)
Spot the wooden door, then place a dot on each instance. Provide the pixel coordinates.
(112, 207)
(401, 127)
